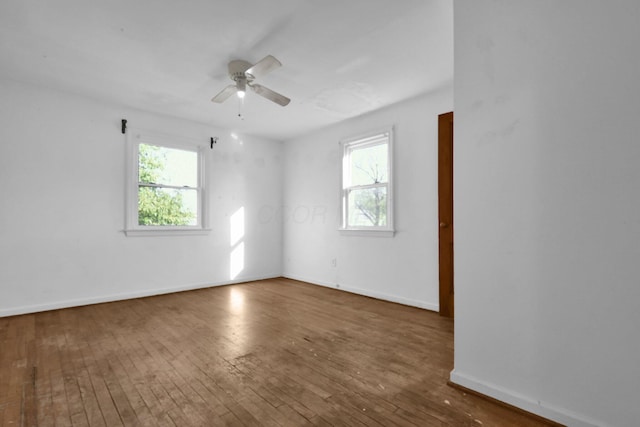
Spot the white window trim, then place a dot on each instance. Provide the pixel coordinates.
(361, 141)
(134, 138)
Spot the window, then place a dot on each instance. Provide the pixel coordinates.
(165, 187)
(367, 202)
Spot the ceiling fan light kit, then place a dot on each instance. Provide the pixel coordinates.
(243, 74)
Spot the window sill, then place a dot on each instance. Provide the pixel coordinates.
(156, 232)
(366, 233)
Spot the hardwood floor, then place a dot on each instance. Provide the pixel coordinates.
(270, 353)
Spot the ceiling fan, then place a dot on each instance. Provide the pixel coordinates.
(243, 74)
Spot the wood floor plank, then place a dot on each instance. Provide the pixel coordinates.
(152, 389)
(273, 352)
(68, 364)
(60, 411)
(229, 419)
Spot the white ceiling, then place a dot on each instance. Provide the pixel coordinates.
(341, 58)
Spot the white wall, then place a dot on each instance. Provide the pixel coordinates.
(403, 268)
(62, 174)
(547, 205)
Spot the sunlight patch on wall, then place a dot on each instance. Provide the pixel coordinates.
(236, 228)
(236, 261)
(236, 234)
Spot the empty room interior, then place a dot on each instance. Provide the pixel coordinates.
(243, 213)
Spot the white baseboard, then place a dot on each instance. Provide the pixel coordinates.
(56, 305)
(373, 294)
(526, 403)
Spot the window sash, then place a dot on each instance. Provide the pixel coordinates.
(351, 145)
(184, 201)
(198, 213)
(170, 181)
(174, 187)
(347, 214)
(132, 227)
(364, 187)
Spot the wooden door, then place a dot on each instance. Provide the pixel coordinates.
(445, 211)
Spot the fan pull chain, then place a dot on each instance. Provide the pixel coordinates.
(240, 105)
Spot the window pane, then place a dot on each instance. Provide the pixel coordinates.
(168, 166)
(167, 206)
(369, 165)
(368, 207)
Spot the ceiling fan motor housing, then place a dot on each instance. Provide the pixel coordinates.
(237, 70)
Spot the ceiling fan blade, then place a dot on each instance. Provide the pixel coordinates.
(264, 66)
(224, 94)
(270, 95)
